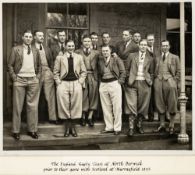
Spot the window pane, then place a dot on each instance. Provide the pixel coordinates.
(77, 15)
(76, 36)
(56, 15)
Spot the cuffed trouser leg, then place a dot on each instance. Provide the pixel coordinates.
(162, 119)
(131, 121)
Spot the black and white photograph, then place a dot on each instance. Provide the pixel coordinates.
(97, 76)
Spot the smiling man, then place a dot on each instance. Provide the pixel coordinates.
(24, 69)
(69, 75)
(112, 76)
(140, 70)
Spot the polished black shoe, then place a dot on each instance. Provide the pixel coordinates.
(160, 129)
(67, 132)
(106, 132)
(140, 130)
(171, 131)
(117, 132)
(33, 135)
(130, 132)
(82, 121)
(73, 132)
(16, 136)
(90, 122)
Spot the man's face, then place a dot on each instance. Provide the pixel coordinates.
(106, 52)
(94, 39)
(126, 36)
(150, 40)
(61, 37)
(70, 47)
(137, 37)
(106, 38)
(143, 46)
(27, 38)
(39, 37)
(87, 42)
(165, 46)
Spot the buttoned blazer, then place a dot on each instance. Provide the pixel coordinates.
(123, 52)
(94, 57)
(55, 50)
(61, 68)
(173, 66)
(148, 68)
(16, 60)
(116, 66)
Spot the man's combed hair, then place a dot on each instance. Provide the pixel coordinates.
(27, 31)
(68, 41)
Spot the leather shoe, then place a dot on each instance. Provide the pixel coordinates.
(117, 132)
(90, 122)
(82, 121)
(73, 132)
(171, 131)
(106, 132)
(140, 130)
(130, 132)
(160, 129)
(16, 136)
(67, 132)
(33, 135)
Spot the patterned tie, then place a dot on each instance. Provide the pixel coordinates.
(142, 56)
(28, 52)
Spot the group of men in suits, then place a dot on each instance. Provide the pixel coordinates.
(130, 74)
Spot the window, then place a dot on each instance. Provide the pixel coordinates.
(74, 18)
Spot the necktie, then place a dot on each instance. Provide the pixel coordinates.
(87, 51)
(40, 47)
(62, 48)
(71, 57)
(142, 56)
(28, 52)
(164, 56)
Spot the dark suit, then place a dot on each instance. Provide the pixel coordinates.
(90, 92)
(25, 86)
(123, 52)
(55, 50)
(165, 84)
(138, 104)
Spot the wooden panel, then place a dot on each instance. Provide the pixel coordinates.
(114, 18)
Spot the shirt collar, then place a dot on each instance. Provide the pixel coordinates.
(61, 44)
(166, 54)
(128, 42)
(26, 46)
(84, 49)
(37, 45)
(144, 54)
(68, 54)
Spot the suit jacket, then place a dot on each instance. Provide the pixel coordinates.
(173, 66)
(116, 66)
(93, 60)
(61, 68)
(49, 57)
(55, 50)
(133, 62)
(16, 60)
(123, 52)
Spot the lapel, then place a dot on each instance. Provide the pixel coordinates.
(65, 60)
(34, 52)
(146, 60)
(74, 61)
(111, 63)
(137, 58)
(20, 52)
